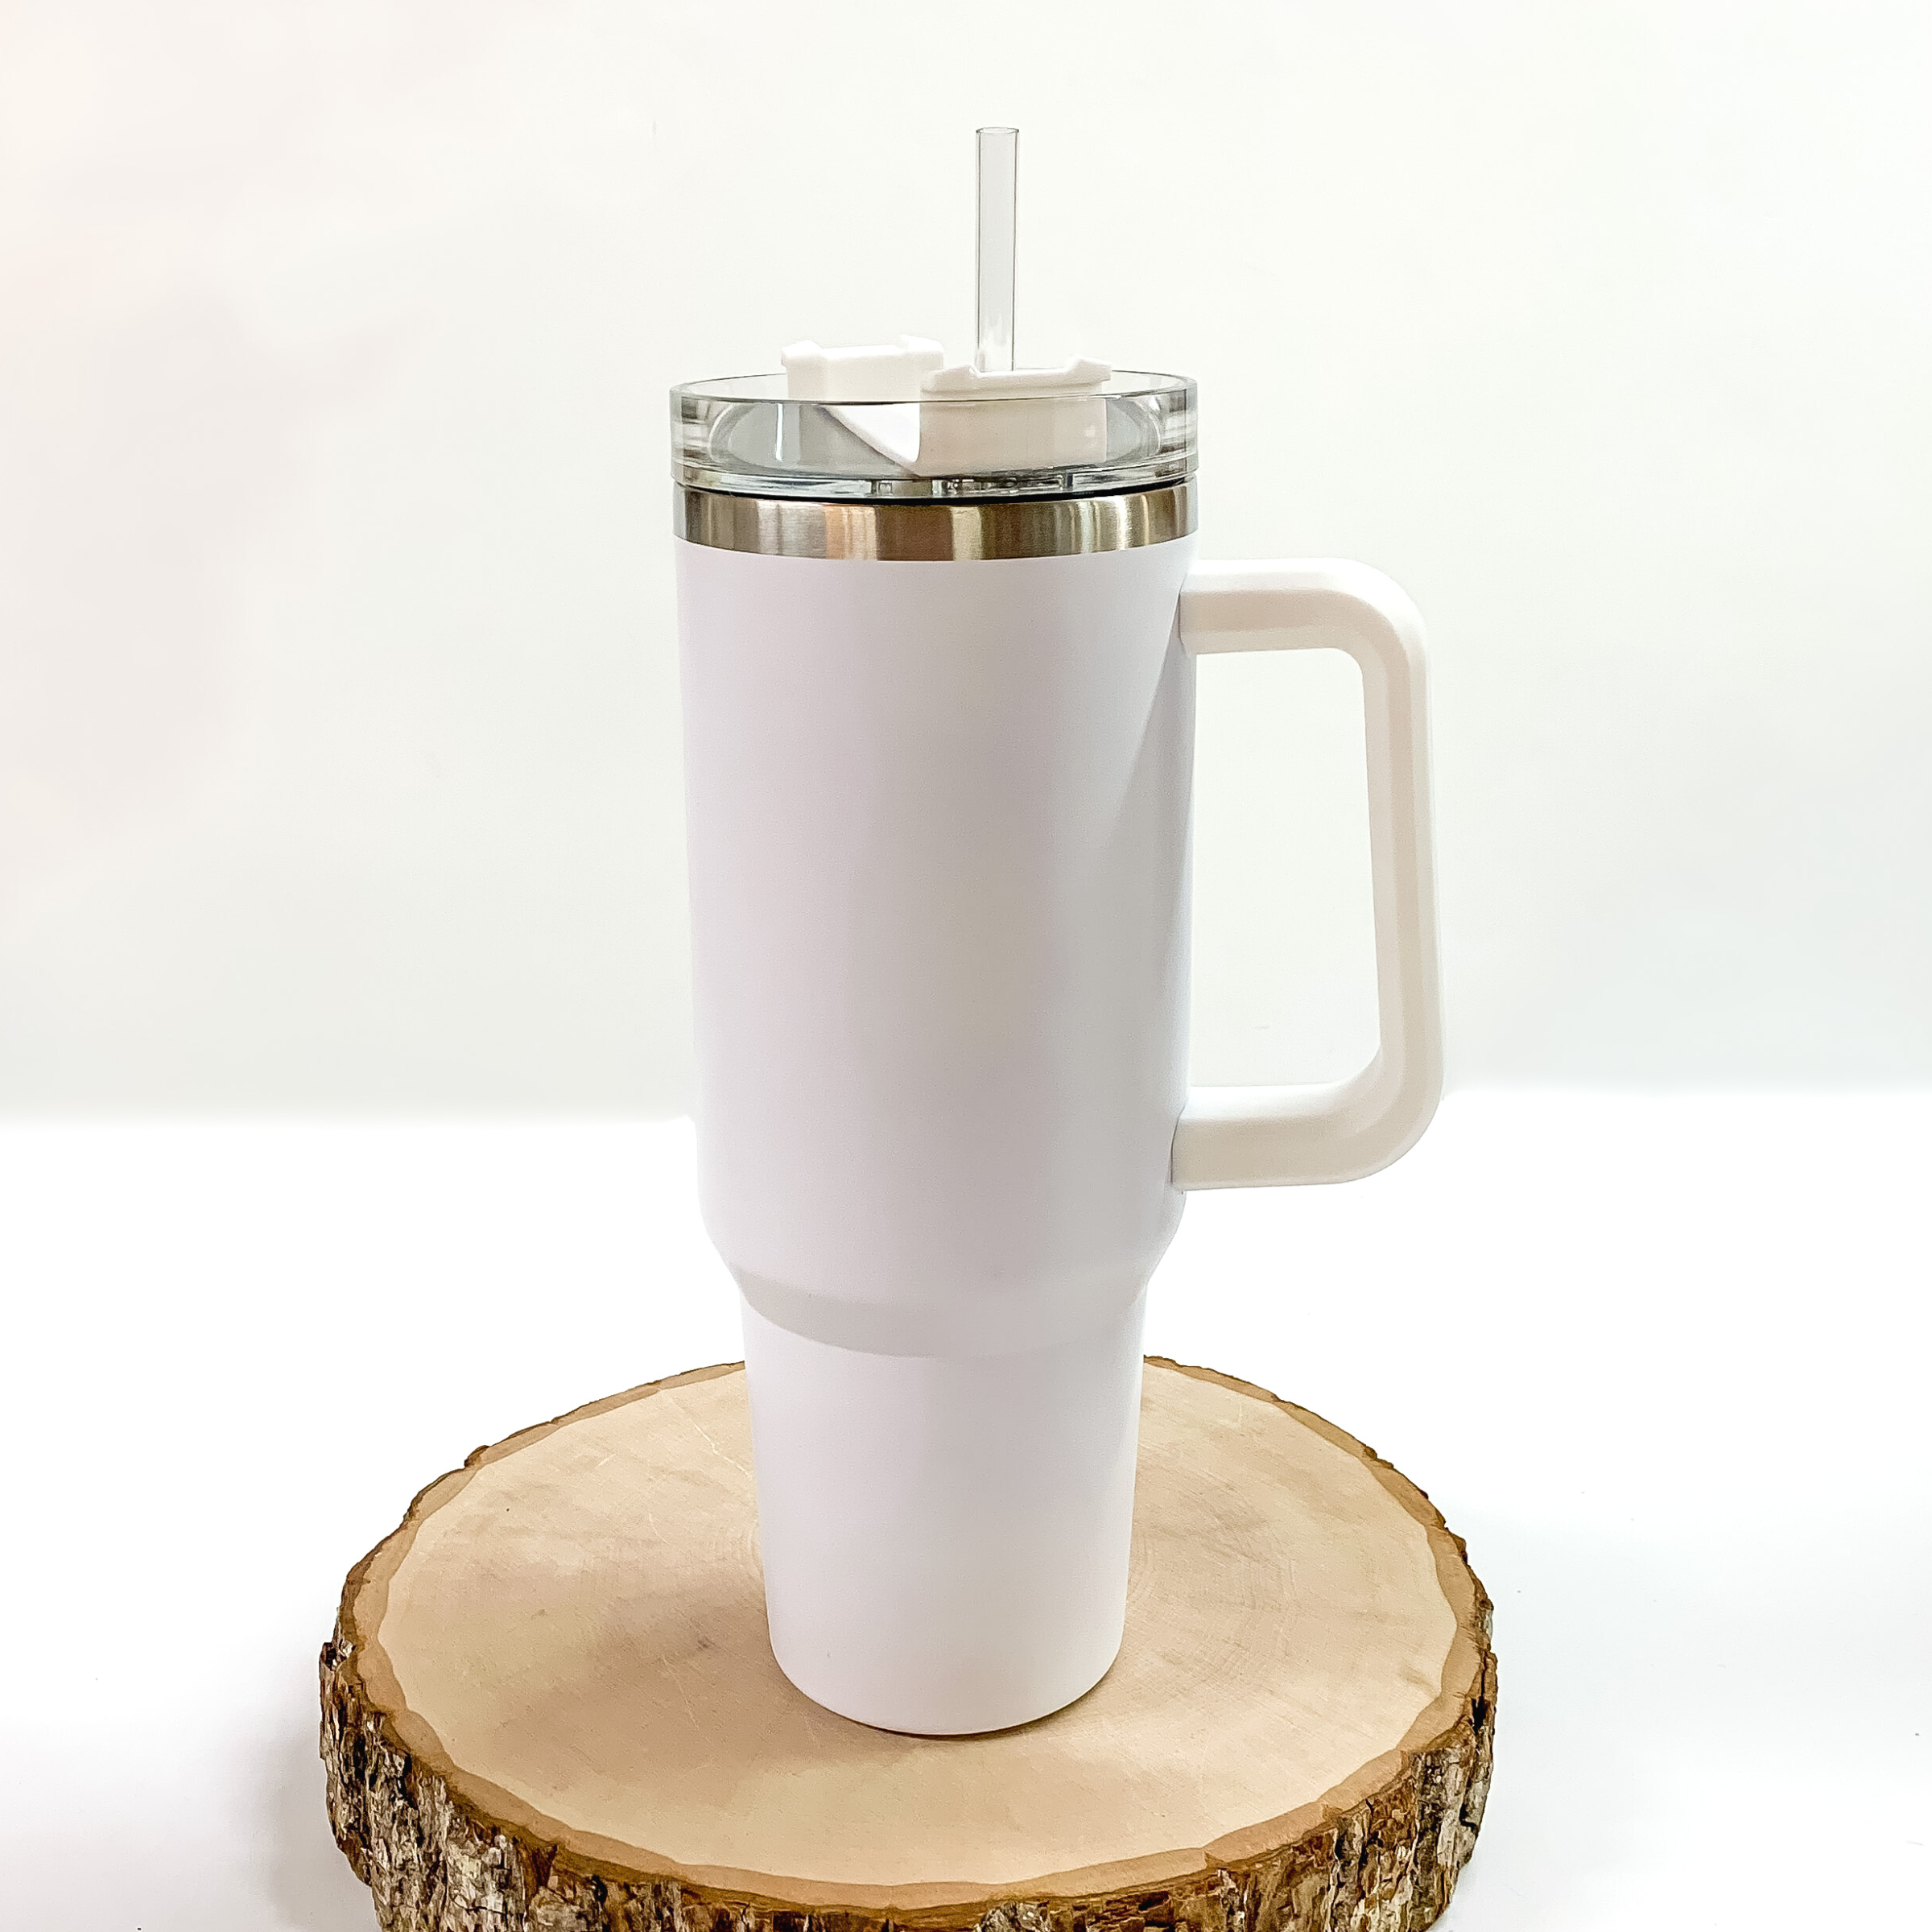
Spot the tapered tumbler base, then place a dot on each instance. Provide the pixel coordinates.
(945, 1540)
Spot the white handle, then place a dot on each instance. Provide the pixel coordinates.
(1266, 1136)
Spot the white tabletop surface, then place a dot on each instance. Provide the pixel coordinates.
(1662, 1361)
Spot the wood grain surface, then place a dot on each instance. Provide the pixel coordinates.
(549, 1702)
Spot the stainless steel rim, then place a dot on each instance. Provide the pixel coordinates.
(934, 533)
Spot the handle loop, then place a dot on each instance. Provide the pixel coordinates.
(1268, 1137)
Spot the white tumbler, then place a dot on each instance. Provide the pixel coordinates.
(938, 732)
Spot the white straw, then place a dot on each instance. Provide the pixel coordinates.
(999, 182)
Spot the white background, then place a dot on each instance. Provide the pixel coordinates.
(338, 720)
(338, 773)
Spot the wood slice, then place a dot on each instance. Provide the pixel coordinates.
(550, 1703)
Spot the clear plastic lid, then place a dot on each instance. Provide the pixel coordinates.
(744, 435)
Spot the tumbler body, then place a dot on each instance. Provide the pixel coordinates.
(938, 830)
